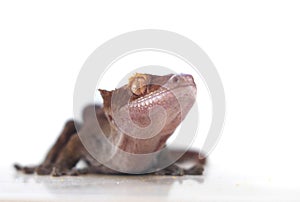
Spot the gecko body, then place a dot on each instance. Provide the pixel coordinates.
(137, 118)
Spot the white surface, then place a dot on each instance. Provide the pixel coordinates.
(253, 44)
(215, 185)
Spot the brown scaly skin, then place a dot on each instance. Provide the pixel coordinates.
(68, 149)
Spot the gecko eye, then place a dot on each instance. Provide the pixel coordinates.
(138, 84)
(175, 79)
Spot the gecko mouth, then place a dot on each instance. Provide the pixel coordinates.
(153, 98)
(165, 95)
(162, 97)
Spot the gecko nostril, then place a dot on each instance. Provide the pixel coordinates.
(189, 78)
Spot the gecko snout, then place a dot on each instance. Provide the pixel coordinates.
(182, 79)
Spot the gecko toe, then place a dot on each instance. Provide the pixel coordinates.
(43, 170)
(25, 169)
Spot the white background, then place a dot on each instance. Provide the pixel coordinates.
(255, 46)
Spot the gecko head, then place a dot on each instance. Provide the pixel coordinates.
(170, 96)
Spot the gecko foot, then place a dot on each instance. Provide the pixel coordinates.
(40, 170)
(173, 170)
(25, 169)
(56, 172)
(44, 169)
(195, 170)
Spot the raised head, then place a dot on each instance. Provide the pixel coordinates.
(150, 107)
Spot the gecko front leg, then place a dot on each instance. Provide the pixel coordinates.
(196, 159)
(68, 157)
(46, 166)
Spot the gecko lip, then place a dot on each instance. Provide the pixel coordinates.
(157, 97)
(167, 95)
(151, 99)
